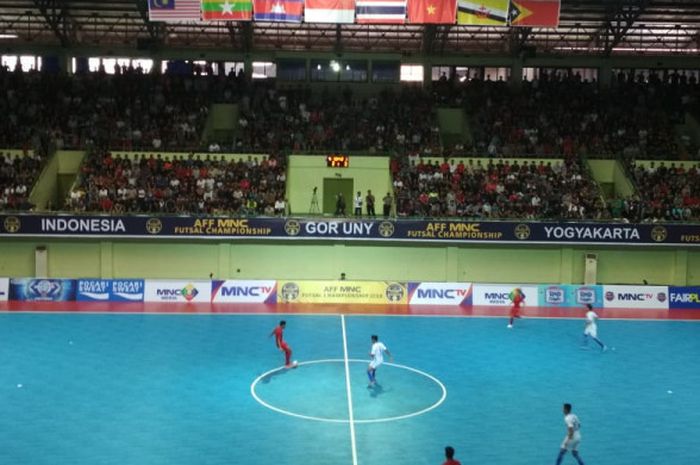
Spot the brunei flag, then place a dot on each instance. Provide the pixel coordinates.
(534, 13)
(483, 12)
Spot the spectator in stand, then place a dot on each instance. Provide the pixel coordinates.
(187, 185)
(387, 202)
(500, 189)
(358, 204)
(18, 173)
(369, 200)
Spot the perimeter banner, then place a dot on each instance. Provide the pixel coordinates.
(498, 295)
(458, 294)
(650, 297)
(188, 227)
(679, 297)
(341, 292)
(110, 290)
(42, 289)
(4, 289)
(570, 295)
(244, 292)
(177, 291)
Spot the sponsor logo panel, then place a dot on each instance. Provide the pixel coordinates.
(110, 290)
(567, 295)
(499, 294)
(651, 297)
(684, 297)
(4, 289)
(340, 292)
(440, 294)
(244, 291)
(177, 291)
(46, 290)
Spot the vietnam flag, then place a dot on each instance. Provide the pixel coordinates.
(227, 10)
(534, 13)
(432, 11)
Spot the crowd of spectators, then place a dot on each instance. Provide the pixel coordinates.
(299, 120)
(126, 110)
(499, 189)
(562, 115)
(191, 185)
(17, 176)
(667, 193)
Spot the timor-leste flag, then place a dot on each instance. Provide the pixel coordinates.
(482, 12)
(534, 13)
(432, 11)
(227, 10)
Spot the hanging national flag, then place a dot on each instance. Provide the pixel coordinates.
(535, 13)
(483, 12)
(330, 11)
(227, 10)
(432, 11)
(171, 11)
(380, 11)
(288, 11)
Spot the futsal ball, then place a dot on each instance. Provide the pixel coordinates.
(295, 364)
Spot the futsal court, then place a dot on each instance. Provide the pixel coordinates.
(86, 387)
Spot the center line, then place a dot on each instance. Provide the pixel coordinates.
(351, 418)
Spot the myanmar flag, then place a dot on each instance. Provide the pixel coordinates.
(227, 10)
(432, 11)
(483, 12)
(534, 13)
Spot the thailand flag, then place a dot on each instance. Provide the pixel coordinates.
(381, 11)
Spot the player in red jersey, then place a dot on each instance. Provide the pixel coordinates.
(281, 345)
(518, 298)
(450, 457)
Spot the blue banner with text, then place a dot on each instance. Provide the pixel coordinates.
(349, 229)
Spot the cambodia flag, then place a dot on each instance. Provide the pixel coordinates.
(287, 11)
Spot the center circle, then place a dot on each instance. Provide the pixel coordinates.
(339, 388)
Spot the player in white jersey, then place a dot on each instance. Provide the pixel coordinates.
(573, 436)
(591, 329)
(377, 355)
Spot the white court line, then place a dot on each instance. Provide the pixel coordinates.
(351, 418)
(342, 420)
(392, 315)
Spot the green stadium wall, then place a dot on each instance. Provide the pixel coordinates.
(308, 171)
(359, 260)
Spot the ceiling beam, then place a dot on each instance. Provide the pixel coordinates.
(56, 15)
(620, 17)
(156, 30)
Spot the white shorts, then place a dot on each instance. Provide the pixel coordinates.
(374, 364)
(571, 444)
(591, 331)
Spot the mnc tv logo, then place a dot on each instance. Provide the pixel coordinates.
(189, 292)
(442, 293)
(245, 291)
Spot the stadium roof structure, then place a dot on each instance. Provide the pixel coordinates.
(588, 27)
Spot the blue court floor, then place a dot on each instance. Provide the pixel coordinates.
(89, 389)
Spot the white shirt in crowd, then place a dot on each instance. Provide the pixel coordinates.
(358, 201)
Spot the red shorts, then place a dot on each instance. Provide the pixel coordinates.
(514, 311)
